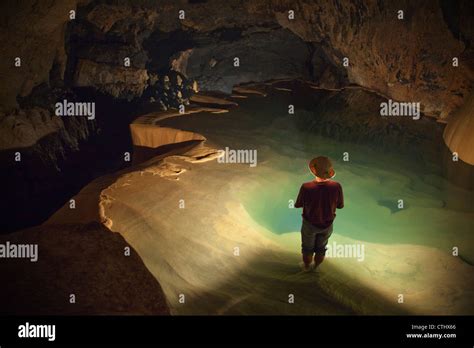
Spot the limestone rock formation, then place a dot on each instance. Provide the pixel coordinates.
(359, 121)
(408, 59)
(154, 136)
(84, 260)
(119, 82)
(171, 90)
(26, 127)
(33, 32)
(221, 66)
(459, 133)
(399, 58)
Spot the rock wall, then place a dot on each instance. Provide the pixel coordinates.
(399, 58)
(359, 122)
(85, 260)
(407, 59)
(222, 65)
(458, 134)
(119, 82)
(33, 31)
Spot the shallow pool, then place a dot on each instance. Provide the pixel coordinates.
(435, 212)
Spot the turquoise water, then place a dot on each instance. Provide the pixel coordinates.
(435, 212)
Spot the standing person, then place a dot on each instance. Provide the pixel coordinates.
(319, 199)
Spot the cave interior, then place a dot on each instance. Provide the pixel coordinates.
(115, 115)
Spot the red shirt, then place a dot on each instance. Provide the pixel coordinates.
(319, 201)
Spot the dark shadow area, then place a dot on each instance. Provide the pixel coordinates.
(263, 286)
(84, 260)
(56, 168)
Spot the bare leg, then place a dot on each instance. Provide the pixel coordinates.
(307, 258)
(318, 259)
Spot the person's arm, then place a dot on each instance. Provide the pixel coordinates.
(300, 200)
(340, 199)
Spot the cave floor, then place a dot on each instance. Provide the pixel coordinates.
(221, 239)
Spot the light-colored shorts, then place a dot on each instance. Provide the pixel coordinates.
(313, 239)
